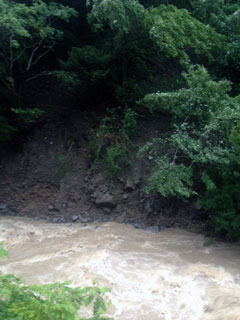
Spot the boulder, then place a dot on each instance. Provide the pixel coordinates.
(106, 201)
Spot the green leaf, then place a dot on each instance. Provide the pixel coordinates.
(3, 253)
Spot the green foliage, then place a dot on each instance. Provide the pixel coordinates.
(224, 16)
(133, 44)
(115, 159)
(110, 143)
(27, 35)
(57, 301)
(170, 179)
(121, 16)
(177, 33)
(28, 115)
(69, 79)
(99, 139)
(87, 62)
(205, 136)
(198, 102)
(129, 124)
(222, 199)
(3, 252)
(234, 137)
(174, 30)
(48, 302)
(130, 50)
(62, 162)
(109, 68)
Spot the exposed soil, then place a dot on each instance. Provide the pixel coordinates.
(49, 176)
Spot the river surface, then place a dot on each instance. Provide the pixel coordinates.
(168, 275)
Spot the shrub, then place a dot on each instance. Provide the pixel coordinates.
(204, 143)
(110, 143)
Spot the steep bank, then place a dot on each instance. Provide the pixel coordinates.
(50, 177)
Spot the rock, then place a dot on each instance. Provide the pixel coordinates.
(22, 185)
(104, 219)
(121, 179)
(138, 226)
(121, 218)
(119, 208)
(169, 224)
(3, 206)
(137, 176)
(103, 189)
(149, 205)
(51, 208)
(84, 219)
(94, 195)
(99, 180)
(107, 210)
(13, 209)
(106, 201)
(197, 205)
(75, 218)
(133, 180)
(85, 136)
(90, 191)
(51, 213)
(154, 229)
(125, 196)
(129, 184)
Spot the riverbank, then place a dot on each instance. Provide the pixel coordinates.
(49, 175)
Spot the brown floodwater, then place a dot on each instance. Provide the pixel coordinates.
(169, 275)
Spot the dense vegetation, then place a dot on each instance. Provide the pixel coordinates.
(130, 57)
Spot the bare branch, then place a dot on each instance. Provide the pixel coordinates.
(33, 53)
(11, 53)
(37, 75)
(175, 155)
(43, 54)
(20, 54)
(4, 57)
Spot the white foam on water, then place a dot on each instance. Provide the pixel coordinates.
(165, 276)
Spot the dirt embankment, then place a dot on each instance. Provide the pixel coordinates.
(50, 177)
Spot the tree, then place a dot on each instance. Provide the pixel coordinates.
(134, 44)
(27, 35)
(224, 17)
(204, 147)
(179, 35)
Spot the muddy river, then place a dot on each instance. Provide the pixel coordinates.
(168, 275)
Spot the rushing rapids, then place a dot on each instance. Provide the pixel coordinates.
(157, 276)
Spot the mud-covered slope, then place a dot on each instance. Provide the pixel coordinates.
(50, 177)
